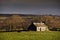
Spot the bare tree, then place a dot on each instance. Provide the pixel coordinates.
(16, 22)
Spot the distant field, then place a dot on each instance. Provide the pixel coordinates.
(30, 36)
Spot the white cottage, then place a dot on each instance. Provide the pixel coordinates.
(41, 26)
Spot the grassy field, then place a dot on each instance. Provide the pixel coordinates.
(30, 36)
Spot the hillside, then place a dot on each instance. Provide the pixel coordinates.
(17, 19)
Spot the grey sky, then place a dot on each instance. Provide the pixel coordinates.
(30, 6)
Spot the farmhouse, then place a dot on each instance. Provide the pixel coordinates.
(38, 27)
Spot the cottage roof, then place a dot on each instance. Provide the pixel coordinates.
(40, 24)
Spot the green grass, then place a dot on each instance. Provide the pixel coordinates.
(30, 36)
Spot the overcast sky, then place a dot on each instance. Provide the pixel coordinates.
(38, 7)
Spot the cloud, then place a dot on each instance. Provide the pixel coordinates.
(31, 1)
(30, 6)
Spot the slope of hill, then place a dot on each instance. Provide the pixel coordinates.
(50, 20)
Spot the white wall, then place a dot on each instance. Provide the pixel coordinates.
(41, 28)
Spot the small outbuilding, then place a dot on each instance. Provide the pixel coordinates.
(41, 26)
(38, 27)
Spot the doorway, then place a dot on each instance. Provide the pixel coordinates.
(40, 29)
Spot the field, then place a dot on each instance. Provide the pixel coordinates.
(30, 35)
